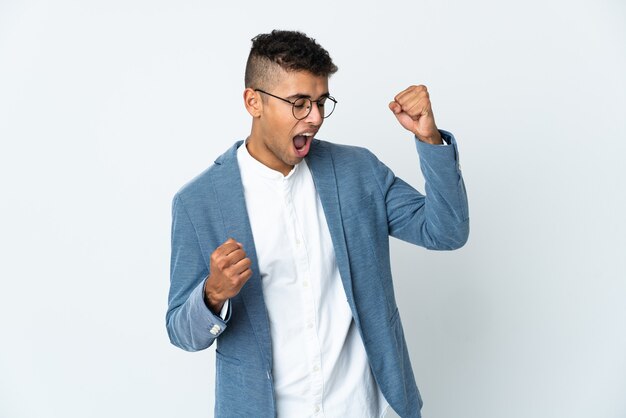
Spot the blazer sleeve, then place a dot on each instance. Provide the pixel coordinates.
(191, 325)
(439, 219)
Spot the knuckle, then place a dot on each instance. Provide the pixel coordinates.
(237, 283)
(221, 264)
(231, 277)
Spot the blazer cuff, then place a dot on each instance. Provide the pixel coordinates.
(202, 317)
(441, 154)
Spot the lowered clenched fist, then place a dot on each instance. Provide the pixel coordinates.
(230, 270)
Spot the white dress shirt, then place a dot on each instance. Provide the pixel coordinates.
(320, 367)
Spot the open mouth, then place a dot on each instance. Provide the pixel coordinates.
(302, 143)
(299, 141)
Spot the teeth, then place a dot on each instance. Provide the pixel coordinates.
(306, 134)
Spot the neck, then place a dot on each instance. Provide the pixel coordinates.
(265, 156)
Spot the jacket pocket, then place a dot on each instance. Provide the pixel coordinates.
(359, 208)
(231, 360)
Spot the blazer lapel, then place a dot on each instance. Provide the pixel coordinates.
(230, 197)
(322, 169)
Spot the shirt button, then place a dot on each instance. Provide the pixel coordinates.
(316, 368)
(309, 325)
(316, 409)
(305, 284)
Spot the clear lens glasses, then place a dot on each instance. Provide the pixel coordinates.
(301, 107)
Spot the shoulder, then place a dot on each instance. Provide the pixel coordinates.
(202, 184)
(351, 164)
(341, 153)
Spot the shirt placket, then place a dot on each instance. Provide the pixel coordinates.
(310, 323)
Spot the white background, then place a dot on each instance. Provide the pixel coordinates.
(108, 107)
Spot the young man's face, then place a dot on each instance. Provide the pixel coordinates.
(279, 140)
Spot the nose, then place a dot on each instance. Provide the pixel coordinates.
(315, 115)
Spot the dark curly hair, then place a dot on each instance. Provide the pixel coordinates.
(291, 51)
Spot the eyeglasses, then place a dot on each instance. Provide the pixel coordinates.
(301, 107)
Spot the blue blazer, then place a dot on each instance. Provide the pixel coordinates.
(364, 204)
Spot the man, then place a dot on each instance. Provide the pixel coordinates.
(280, 249)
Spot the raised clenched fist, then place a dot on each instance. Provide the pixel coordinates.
(414, 111)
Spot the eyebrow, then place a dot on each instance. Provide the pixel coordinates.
(306, 96)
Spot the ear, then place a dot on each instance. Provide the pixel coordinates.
(253, 103)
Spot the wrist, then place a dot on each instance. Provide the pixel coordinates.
(212, 302)
(434, 139)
